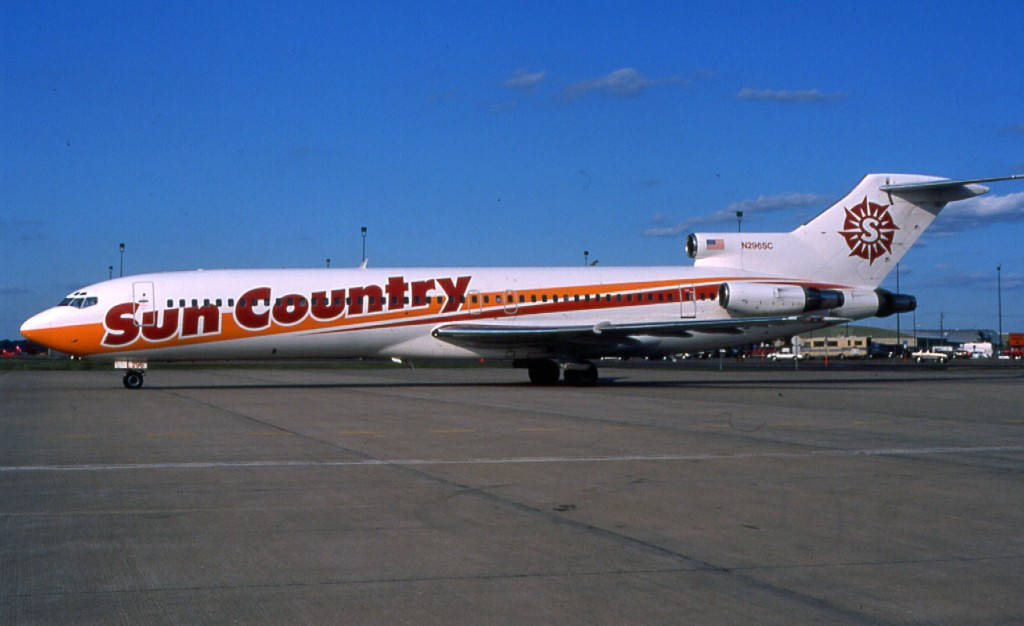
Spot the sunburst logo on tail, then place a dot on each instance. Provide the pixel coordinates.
(868, 230)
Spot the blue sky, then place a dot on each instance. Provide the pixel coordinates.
(247, 135)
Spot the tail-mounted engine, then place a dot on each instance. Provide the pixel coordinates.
(766, 299)
(752, 299)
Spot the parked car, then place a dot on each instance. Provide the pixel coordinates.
(929, 355)
(785, 354)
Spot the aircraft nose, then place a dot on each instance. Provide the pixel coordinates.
(34, 325)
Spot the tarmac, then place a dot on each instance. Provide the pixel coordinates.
(457, 496)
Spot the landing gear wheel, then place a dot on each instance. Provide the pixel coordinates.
(587, 376)
(132, 379)
(544, 373)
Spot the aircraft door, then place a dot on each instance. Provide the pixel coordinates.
(687, 301)
(511, 304)
(145, 303)
(474, 301)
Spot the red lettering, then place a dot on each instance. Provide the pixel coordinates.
(290, 309)
(206, 316)
(244, 314)
(120, 323)
(375, 295)
(325, 309)
(420, 288)
(455, 293)
(396, 292)
(163, 331)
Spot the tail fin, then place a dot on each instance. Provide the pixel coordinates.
(855, 242)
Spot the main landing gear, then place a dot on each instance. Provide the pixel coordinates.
(133, 379)
(547, 372)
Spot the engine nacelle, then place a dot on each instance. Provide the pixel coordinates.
(767, 299)
(874, 302)
(889, 303)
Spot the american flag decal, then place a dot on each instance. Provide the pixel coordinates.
(715, 244)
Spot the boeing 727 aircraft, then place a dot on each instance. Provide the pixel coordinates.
(742, 288)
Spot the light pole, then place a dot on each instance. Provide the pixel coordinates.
(328, 261)
(899, 338)
(586, 253)
(110, 271)
(121, 247)
(739, 221)
(364, 244)
(999, 298)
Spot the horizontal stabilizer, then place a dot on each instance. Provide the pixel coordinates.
(946, 184)
(944, 191)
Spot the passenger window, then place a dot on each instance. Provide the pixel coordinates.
(219, 302)
(170, 303)
(533, 297)
(487, 299)
(195, 303)
(181, 303)
(544, 297)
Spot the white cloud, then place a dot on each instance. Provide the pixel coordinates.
(761, 204)
(786, 95)
(624, 82)
(523, 79)
(980, 211)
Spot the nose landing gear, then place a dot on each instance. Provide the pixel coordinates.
(132, 379)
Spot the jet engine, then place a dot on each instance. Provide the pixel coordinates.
(752, 299)
(769, 299)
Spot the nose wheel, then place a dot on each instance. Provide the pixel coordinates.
(132, 379)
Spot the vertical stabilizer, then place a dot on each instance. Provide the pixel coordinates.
(855, 242)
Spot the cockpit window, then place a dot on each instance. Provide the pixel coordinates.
(79, 303)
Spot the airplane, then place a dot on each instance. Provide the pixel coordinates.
(555, 322)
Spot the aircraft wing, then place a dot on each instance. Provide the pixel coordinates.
(492, 335)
